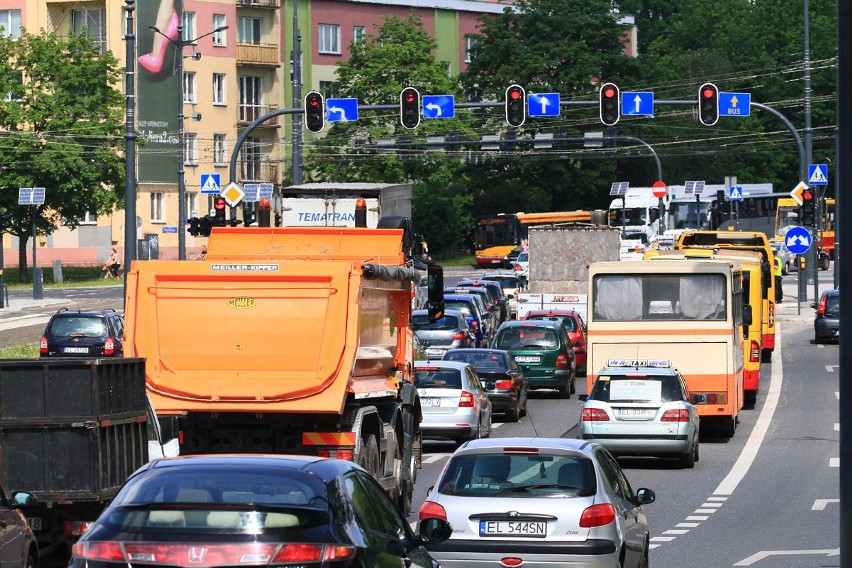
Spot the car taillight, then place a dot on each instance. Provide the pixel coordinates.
(597, 516)
(675, 415)
(754, 352)
(109, 346)
(466, 400)
(820, 309)
(311, 552)
(109, 551)
(504, 384)
(458, 336)
(518, 267)
(562, 361)
(594, 415)
(474, 325)
(432, 510)
(42, 346)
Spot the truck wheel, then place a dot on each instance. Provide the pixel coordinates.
(369, 457)
(406, 482)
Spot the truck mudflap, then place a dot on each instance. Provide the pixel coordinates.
(339, 445)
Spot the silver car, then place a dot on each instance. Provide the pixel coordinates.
(538, 502)
(453, 401)
(450, 331)
(642, 408)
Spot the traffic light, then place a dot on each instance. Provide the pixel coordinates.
(409, 107)
(249, 215)
(264, 209)
(5, 220)
(314, 112)
(200, 226)
(610, 104)
(219, 212)
(708, 104)
(808, 208)
(516, 105)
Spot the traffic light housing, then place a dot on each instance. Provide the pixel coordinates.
(409, 107)
(516, 105)
(808, 208)
(219, 212)
(264, 209)
(708, 104)
(5, 220)
(249, 214)
(314, 112)
(610, 104)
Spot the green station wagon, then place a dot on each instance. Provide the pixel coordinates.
(543, 349)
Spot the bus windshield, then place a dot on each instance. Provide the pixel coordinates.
(629, 216)
(625, 297)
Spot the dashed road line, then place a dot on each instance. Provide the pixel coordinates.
(834, 462)
(820, 504)
(432, 458)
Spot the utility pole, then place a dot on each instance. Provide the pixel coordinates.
(296, 78)
(129, 140)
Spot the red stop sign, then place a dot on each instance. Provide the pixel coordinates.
(659, 189)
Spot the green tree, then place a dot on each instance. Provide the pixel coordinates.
(61, 129)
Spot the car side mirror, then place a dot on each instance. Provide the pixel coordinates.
(434, 530)
(813, 305)
(645, 496)
(698, 398)
(23, 499)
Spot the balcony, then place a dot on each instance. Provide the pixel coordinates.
(249, 113)
(262, 54)
(268, 4)
(258, 171)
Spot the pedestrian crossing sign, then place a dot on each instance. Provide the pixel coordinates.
(818, 174)
(735, 193)
(211, 184)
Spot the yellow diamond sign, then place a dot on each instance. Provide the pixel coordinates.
(233, 194)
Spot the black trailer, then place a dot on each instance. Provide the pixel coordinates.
(71, 432)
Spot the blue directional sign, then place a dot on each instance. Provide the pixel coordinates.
(211, 184)
(734, 104)
(818, 174)
(439, 106)
(637, 103)
(798, 240)
(543, 104)
(735, 193)
(341, 110)
(170, 229)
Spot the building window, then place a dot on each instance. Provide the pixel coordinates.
(10, 21)
(158, 207)
(94, 24)
(249, 31)
(188, 35)
(219, 89)
(189, 87)
(190, 157)
(251, 98)
(358, 34)
(328, 89)
(329, 38)
(17, 94)
(89, 218)
(219, 37)
(469, 42)
(190, 203)
(219, 149)
(252, 161)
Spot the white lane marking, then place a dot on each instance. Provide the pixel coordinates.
(706, 510)
(652, 546)
(743, 463)
(831, 368)
(837, 395)
(837, 427)
(687, 525)
(432, 458)
(662, 538)
(697, 518)
(722, 499)
(497, 425)
(820, 346)
(763, 554)
(834, 462)
(820, 504)
(712, 504)
(673, 531)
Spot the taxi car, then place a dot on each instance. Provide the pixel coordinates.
(642, 407)
(537, 502)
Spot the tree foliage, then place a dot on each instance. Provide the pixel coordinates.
(61, 129)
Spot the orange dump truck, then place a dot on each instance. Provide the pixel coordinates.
(286, 340)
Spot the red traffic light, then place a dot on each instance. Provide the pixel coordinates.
(609, 105)
(807, 195)
(219, 203)
(314, 112)
(609, 93)
(708, 93)
(516, 112)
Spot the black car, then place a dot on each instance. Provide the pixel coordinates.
(18, 547)
(827, 320)
(505, 384)
(83, 334)
(254, 510)
(494, 289)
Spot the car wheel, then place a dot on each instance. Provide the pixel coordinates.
(514, 413)
(687, 460)
(369, 456)
(31, 562)
(785, 270)
(565, 391)
(697, 447)
(644, 563)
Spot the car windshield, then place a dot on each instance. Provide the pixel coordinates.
(437, 378)
(447, 322)
(567, 321)
(518, 475)
(79, 326)
(832, 305)
(526, 338)
(482, 362)
(459, 306)
(506, 282)
(616, 388)
(178, 499)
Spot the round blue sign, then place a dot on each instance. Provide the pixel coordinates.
(798, 240)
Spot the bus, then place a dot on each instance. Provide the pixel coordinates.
(495, 236)
(787, 215)
(687, 311)
(755, 294)
(712, 210)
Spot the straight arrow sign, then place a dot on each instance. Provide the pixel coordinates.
(764, 554)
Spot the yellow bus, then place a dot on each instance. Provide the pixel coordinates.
(755, 291)
(687, 311)
(743, 240)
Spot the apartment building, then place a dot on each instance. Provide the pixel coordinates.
(236, 57)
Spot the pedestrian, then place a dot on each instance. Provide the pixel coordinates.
(113, 264)
(202, 255)
(777, 272)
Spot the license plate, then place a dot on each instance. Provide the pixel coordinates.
(527, 359)
(434, 351)
(430, 401)
(537, 529)
(75, 350)
(34, 522)
(636, 412)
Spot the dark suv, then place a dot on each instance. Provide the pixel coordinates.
(827, 320)
(83, 334)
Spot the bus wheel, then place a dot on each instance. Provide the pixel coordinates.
(766, 355)
(728, 427)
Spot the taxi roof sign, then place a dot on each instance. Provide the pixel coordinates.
(654, 363)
